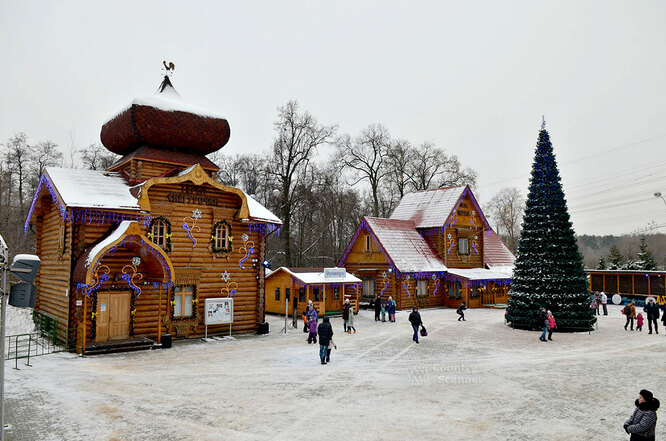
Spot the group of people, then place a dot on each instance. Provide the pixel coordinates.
(381, 309)
(652, 311)
(548, 324)
(599, 300)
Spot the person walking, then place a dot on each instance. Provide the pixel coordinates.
(312, 327)
(415, 320)
(551, 325)
(597, 298)
(391, 309)
(543, 321)
(630, 313)
(325, 336)
(604, 302)
(378, 307)
(461, 311)
(350, 321)
(594, 305)
(652, 311)
(639, 322)
(643, 421)
(345, 314)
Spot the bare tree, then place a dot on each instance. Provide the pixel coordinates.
(399, 160)
(506, 209)
(297, 137)
(17, 157)
(97, 157)
(45, 154)
(431, 167)
(366, 157)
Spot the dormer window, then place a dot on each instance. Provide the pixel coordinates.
(159, 232)
(463, 246)
(221, 238)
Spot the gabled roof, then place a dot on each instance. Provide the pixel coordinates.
(496, 255)
(314, 276)
(91, 188)
(406, 249)
(428, 208)
(108, 191)
(433, 208)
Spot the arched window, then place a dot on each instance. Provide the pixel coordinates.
(221, 239)
(159, 231)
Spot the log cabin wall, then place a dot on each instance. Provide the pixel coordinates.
(54, 246)
(366, 261)
(275, 302)
(176, 203)
(145, 169)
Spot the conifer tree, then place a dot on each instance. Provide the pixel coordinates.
(549, 268)
(615, 258)
(645, 260)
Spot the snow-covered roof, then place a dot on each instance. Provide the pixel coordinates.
(259, 212)
(111, 238)
(506, 269)
(495, 253)
(92, 188)
(428, 208)
(406, 248)
(478, 274)
(170, 101)
(316, 276)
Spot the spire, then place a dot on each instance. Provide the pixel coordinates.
(543, 122)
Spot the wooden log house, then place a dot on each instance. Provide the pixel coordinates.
(326, 287)
(134, 251)
(436, 249)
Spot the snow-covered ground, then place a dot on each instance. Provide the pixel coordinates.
(474, 380)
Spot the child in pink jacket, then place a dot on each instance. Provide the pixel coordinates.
(551, 325)
(639, 322)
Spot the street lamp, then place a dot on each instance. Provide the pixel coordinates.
(658, 195)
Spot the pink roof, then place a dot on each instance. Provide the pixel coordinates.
(428, 208)
(404, 246)
(495, 253)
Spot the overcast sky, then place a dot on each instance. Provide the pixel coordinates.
(475, 78)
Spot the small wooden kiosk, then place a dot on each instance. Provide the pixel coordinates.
(326, 287)
(436, 249)
(637, 285)
(134, 251)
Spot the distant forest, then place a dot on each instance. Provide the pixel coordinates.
(594, 248)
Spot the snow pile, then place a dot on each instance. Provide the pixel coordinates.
(19, 321)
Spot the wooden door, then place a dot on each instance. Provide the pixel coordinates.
(113, 316)
(333, 304)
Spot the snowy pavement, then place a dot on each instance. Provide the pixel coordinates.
(473, 380)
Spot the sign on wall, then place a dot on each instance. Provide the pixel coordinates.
(219, 311)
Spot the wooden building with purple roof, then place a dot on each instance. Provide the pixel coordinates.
(134, 251)
(436, 249)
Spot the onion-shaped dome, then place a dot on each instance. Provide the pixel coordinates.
(165, 120)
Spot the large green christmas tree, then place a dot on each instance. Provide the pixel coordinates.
(549, 268)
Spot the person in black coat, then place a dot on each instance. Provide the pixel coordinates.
(461, 311)
(643, 421)
(652, 311)
(415, 320)
(378, 307)
(345, 313)
(325, 332)
(543, 321)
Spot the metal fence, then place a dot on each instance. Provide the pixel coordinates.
(48, 339)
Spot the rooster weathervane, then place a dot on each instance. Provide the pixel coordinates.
(169, 67)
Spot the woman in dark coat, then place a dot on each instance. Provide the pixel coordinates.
(415, 320)
(642, 422)
(378, 307)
